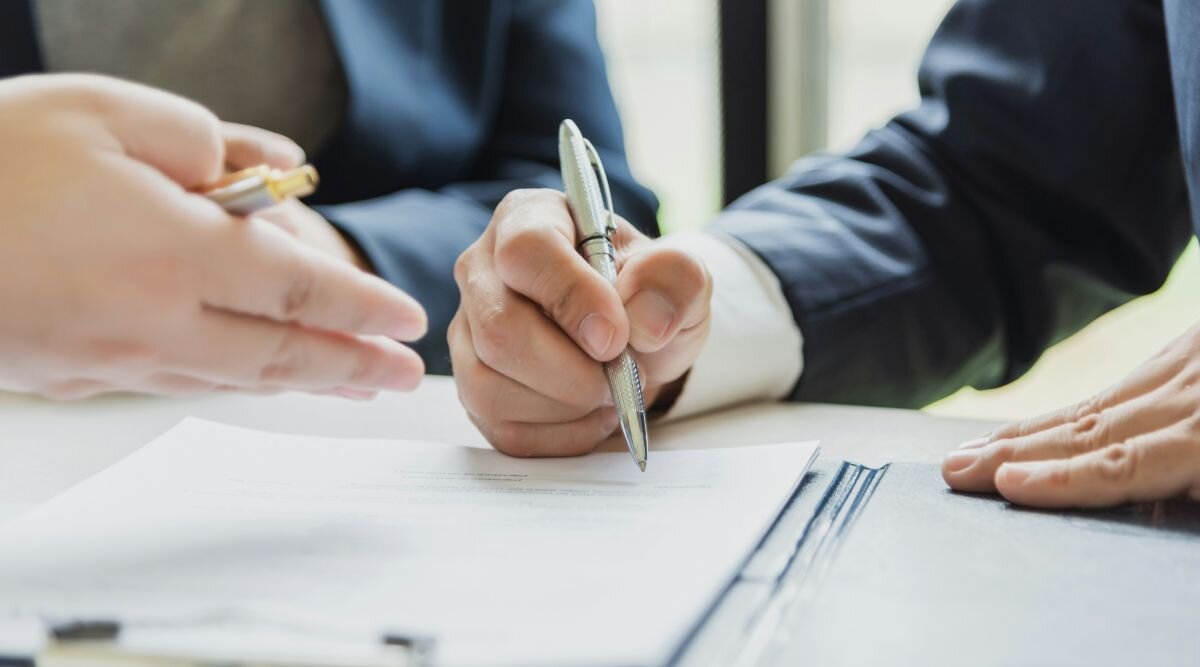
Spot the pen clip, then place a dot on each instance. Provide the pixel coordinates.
(594, 158)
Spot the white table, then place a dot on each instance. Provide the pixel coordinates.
(46, 447)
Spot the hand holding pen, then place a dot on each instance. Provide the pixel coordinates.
(129, 280)
(536, 321)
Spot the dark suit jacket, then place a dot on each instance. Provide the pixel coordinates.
(452, 104)
(1042, 181)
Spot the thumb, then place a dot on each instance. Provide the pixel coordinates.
(535, 255)
(665, 290)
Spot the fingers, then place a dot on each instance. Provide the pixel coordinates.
(974, 468)
(1151, 467)
(511, 336)
(535, 255)
(536, 318)
(486, 393)
(1145, 379)
(255, 268)
(1134, 442)
(251, 353)
(574, 438)
(248, 146)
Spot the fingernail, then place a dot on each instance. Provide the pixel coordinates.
(976, 443)
(959, 460)
(650, 314)
(597, 334)
(1015, 473)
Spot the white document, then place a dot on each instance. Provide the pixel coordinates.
(584, 561)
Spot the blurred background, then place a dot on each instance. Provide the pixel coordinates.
(852, 67)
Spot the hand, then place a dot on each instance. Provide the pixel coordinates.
(246, 147)
(113, 276)
(1138, 441)
(310, 228)
(536, 321)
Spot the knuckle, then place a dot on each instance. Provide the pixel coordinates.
(522, 246)
(1008, 431)
(1059, 477)
(1185, 375)
(462, 268)
(1002, 452)
(1088, 433)
(1084, 409)
(494, 335)
(1119, 463)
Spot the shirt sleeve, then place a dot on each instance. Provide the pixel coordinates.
(754, 348)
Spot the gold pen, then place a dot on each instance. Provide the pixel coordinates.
(251, 190)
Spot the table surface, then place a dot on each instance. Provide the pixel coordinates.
(46, 446)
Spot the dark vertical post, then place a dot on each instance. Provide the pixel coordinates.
(744, 76)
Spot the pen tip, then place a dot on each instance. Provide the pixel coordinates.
(642, 465)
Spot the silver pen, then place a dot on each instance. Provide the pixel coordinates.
(594, 225)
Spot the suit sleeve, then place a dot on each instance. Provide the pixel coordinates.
(1038, 185)
(554, 70)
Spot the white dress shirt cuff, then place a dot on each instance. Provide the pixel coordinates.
(753, 351)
